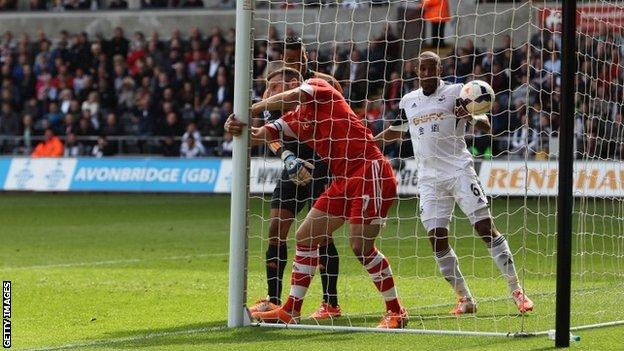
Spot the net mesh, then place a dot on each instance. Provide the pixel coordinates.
(369, 48)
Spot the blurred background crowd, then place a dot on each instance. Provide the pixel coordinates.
(140, 93)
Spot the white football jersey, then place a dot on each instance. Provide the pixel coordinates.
(437, 134)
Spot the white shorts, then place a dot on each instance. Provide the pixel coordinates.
(438, 198)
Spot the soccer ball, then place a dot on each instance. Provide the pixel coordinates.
(477, 97)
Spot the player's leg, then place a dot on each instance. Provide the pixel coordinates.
(283, 210)
(502, 256)
(362, 240)
(371, 199)
(473, 203)
(329, 261)
(317, 225)
(277, 251)
(329, 267)
(436, 208)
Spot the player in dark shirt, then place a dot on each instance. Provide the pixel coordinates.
(304, 178)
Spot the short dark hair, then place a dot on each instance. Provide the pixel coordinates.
(287, 73)
(293, 43)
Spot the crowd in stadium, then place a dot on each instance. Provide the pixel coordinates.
(89, 89)
(139, 86)
(70, 5)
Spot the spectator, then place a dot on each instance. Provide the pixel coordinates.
(227, 145)
(92, 109)
(38, 5)
(147, 4)
(191, 149)
(437, 13)
(8, 5)
(73, 148)
(172, 125)
(118, 4)
(214, 128)
(85, 128)
(57, 6)
(69, 125)
(214, 63)
(27, 131)
(102, 148)
(9, 126)
(9, 120)
(126, 95)
(524, 139)
(204, 96)
(191, 131)
(112, 125)
(169, 147)
(118, 45)
(143, 120)
(193, 3)
(51, 146)
(53, 116)
(223, 92)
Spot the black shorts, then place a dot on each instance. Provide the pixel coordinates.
(289, 196)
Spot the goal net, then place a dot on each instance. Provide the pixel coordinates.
(370, 47)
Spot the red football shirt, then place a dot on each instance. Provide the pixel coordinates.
(329, 126)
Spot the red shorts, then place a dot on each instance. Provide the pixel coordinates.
(364, 197)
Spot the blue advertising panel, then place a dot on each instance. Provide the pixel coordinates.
(149, 174)
(5, 163)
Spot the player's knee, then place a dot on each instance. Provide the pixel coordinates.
(485, 228)
(438, 242)
(482, 222)
(480, 216)
(305, 234)
(278, 229)
(274, 228)
(436, 225)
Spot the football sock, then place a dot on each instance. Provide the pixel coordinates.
(328, 266)
(501, 254)
(380, 272)
(276, 256)
(449, 267)
(304, 266)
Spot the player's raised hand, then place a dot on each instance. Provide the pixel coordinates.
(234, 126)
(298, 169)
(461, 112)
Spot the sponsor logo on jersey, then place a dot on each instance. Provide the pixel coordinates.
(428, 118)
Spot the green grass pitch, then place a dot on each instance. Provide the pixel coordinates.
(149, 272)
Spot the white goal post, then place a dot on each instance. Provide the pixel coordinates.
(237, 313)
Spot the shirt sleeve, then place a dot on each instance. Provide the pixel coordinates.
(282, 126)
(401, 124)
(318, 89)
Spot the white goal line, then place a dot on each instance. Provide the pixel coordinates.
(335, 328)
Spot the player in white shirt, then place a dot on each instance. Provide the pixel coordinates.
(446, 175)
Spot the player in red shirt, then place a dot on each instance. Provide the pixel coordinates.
(361, 192)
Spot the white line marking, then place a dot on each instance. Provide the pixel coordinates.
(113, 262)
(104, 342)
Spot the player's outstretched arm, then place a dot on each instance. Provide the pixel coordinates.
(259, 136)
(388, 136)
(395, 131)
(285, 101)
